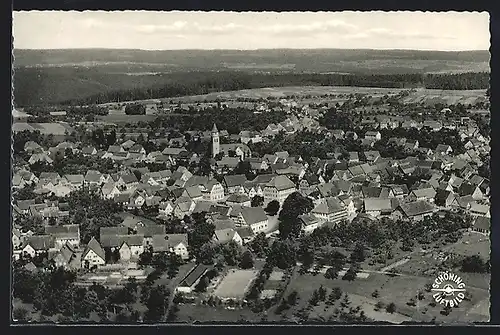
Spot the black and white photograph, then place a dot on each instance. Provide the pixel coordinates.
(182, 167)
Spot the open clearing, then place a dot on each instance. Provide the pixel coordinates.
(235, 284)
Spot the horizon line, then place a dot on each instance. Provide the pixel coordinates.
(256, 49)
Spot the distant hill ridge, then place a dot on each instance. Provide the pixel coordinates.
(304, 59)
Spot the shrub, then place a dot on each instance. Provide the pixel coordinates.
(391, 308)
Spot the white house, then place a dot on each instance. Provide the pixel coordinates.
(255, 218)
(174, 243)
(213, 191)
(279, 188)
(93, 255)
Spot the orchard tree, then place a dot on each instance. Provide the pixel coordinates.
(283, 254)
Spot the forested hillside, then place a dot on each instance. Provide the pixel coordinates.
(74, 85)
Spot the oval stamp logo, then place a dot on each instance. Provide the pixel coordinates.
(449, 289)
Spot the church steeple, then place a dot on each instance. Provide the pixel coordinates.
(215, 141)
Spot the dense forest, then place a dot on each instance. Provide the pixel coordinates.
(76, 86)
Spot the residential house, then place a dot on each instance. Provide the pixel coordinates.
(309, 183)
(373, 135)
(270, 159)
(255, 218)
(411, 145)
(247, 136)
(310, 222)
(32, 147)
(213, 190)
(338, 134)
(104, 232)
(477, 209)
(444, 198)
(468, 188)
(42, 158)
(257, 164)
(443, 149)
(128, 246)
(351, 134)
(353, 157)
(376, 207)
(137, 149)
(192, 192)
(166, 208)
(89, 151)
(227, 163)
(234, 183)
(110, 190)
(463, 202)
(16, 238)
(240, 150)
(127, 144)
(74, 181)
(38, 244)
(23, 178)
(239, 199)
(128, 181)
(376, 192)
(64, 234)
(330, 209)
(112, 151)
(67, 257)
(253, 189)
(482, 225)
(148, 231)
(424, 194)
(173, 154)
(183, 206)
(399, 191)
(93, 255)
(223, 236)
(173, 243)
(433, 125)
(93, 177)
(246, 234)
(372, 156)
(417, 210)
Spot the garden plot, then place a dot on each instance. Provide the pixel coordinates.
(235, 284)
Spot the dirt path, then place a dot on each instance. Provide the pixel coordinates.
(395, 264)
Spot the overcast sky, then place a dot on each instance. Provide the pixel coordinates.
(251, 30)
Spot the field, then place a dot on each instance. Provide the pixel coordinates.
(196, 313)
(432, 97)
(283, 92)
(124, 118)
(426, 96)
(235, 284)
(472, 244)
(44, 128)
(391, 289)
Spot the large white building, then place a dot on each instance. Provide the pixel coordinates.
(279, 188)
